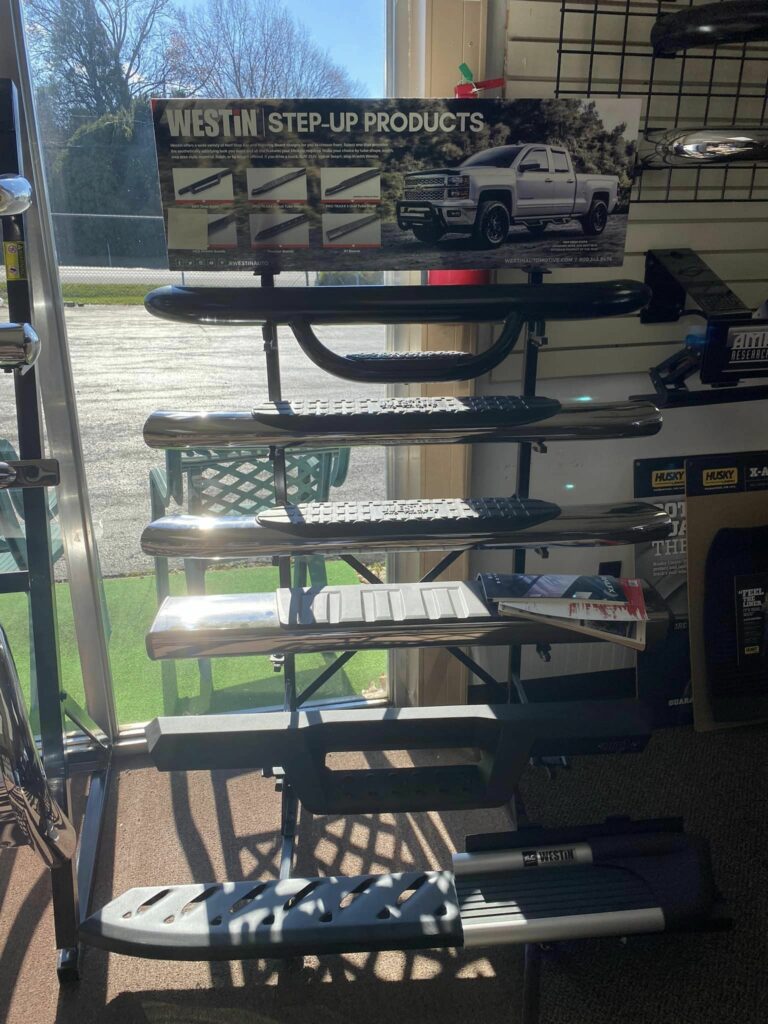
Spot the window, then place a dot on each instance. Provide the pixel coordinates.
(111, 252)
(501, 156)
(560, 161)
(538, 157)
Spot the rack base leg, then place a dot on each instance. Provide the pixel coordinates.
(532, 985)
(289, 818)
(68, 965)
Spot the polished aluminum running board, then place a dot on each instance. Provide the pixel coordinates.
(318, 422)
(353, 618)
(440, 524)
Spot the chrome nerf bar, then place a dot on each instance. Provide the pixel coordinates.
(318, 423)
(424, 525)
(695, 146)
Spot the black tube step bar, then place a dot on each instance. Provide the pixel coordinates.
(397, 304)
(416, 524)
(353, 618)
(710, 25)
(301, 308)
(371, 421)
(505, 737)
(601, 881)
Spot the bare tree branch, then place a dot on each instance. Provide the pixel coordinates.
(241, 48)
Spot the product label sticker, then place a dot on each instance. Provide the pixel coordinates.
(751, 597)
(390, 184)
(15, 261)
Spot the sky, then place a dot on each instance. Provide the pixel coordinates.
(352, 31)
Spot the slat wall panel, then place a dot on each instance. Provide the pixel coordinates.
(732, 237)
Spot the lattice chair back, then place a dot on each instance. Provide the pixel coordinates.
(241, 481)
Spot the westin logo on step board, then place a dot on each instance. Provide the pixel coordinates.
(533, 858)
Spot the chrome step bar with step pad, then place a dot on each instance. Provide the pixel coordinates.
(354, 618)
(597, 881)
(416, 524)
(389, 421)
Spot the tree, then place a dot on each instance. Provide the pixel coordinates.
(100, 55)
(240, 48)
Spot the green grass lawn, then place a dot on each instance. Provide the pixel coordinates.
(103, 293)
(238, 683)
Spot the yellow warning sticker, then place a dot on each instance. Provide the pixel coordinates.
(15, 261)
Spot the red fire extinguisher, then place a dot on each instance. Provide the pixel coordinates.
(468, 88)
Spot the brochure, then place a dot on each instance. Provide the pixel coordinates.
(600, 606)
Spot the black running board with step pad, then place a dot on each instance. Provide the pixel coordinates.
(498, 741)
(536, 889)
(354, 618)
(315, 423)
(416, 524)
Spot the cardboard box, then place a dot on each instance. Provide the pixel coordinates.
(727, 514)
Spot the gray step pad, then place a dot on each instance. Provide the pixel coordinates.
(320, 422)
(352, 617)
(294, 917)
(439, 524)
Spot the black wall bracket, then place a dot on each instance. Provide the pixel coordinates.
(734, 348)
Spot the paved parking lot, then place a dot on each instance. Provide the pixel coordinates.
(127, 364)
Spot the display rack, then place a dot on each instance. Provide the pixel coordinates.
(522, 309)
(605, 49)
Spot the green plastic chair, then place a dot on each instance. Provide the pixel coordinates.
(235, 482)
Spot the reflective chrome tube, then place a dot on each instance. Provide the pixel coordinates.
(24, 789)
(355, 618)
(402, 421)
(19, 346)
(419, 525)
(15, 195)
(695, 146)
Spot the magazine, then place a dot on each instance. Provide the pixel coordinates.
(603, 607)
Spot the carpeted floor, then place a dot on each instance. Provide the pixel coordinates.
(177, 828)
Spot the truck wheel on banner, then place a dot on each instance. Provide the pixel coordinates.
(428, 233)
(594, 222)
(492, 225)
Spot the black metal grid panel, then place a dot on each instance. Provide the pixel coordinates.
(604, 50)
